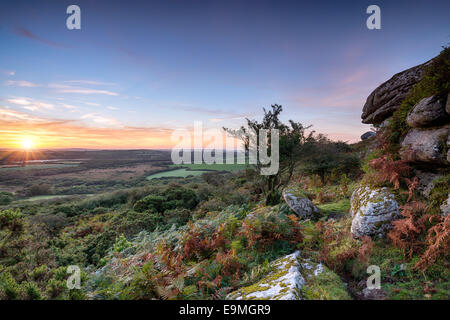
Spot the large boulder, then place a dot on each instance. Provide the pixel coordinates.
(426, 145)
(386, 98)
(368, 135)
(372, 210)
(294, 278)
(428, 112)
(303, 207)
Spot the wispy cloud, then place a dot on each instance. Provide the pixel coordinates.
(89, 91)
(21, 101)
(341, 90)
(92, 104)
(101, 120)
(72, 108)
(13, 115)
(227, 118)
(30, 104)
(61, 87)
(21, 83)
(220, 115)
(91, 82)
(28, 34)
(75, 89)
(8, 72)
(112, 108)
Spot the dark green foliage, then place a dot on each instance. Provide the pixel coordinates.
(327, 156)
(32, 291)
(6, 198)
(178, 216)
(440, 192)
(179, 197)
(9, 288)
(153, 203)
(107, 200)
(175, 196)
(39, 190)
(12, 237)
(273, 198)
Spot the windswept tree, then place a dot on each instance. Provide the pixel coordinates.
(294, 144)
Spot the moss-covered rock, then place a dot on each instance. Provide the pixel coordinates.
(283, 283)
(439, 195)
(295, 278)
(322, 283)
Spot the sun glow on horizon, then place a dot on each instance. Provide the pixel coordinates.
(27, 143)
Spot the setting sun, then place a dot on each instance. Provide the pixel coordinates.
(27, 144)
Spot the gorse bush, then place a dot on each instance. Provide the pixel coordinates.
(13, 237)
(174, 196)
(6, 198)
(39, 189)
(153, 203)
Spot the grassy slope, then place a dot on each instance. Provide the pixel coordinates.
(215, 166)
(179, 173)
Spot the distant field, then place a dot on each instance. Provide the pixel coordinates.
(38, 198)
(196, 170)
(179, 173)
(50, 197)
(40, 166)
(215, 166)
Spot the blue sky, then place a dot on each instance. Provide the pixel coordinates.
(160, 65)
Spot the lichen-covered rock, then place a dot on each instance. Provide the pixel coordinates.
(428, 112)
(373, 210)
(294, 278)
(426, 145)
(367, 135)
(385, 124)
(386, 98)
(445, 207)
(303, 207)
(283, 283)
(426, 181)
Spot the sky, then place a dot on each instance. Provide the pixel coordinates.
(137, 70)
